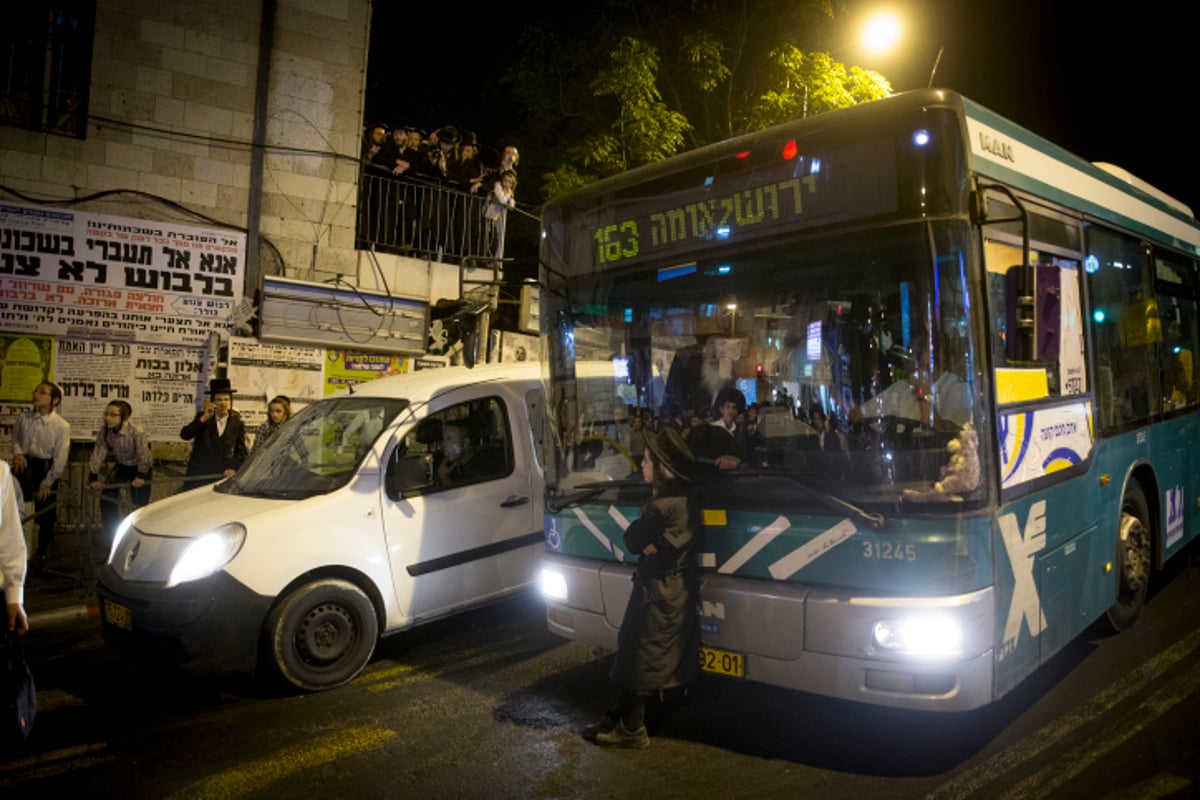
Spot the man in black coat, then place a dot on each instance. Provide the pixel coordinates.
(218, 436)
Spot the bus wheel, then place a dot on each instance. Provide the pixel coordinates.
(1133, 559)
(322, 634)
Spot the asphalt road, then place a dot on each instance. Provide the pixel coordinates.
(490, 705)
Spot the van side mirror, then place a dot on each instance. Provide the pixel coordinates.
(408, 474)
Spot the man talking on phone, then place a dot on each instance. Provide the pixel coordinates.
(218, 438)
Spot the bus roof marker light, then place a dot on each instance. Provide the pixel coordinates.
(921, 137)
(790, 150)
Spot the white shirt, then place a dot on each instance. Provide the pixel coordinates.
(43, 436)
(12, 540)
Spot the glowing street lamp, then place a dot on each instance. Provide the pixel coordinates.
(882, 32)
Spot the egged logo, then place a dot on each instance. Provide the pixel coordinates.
(1026, 605)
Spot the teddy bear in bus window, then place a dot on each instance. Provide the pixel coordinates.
(960, 475)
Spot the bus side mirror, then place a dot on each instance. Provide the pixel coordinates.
(1034, 313)
(408, 474)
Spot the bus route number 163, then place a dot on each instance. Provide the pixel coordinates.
(614, 242)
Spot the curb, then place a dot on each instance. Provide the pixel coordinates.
(59, 616)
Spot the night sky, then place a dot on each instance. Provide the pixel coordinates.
(1108, 82)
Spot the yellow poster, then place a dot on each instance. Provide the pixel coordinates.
(347, 367)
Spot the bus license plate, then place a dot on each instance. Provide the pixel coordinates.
(117, 614)
(723, 662)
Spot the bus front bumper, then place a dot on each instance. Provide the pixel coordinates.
(805, 638)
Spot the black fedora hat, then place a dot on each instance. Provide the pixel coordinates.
(672, 452)
(220, 386)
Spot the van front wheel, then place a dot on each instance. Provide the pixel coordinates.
(322, 634)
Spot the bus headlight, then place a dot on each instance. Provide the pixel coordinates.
(207, 554)
(921, 636)
(554, 585)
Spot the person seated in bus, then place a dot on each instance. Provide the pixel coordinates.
(1177, 381)
(722, 442)
(461, 461)
(944, 403)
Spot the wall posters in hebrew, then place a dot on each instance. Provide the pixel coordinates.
(81, 275)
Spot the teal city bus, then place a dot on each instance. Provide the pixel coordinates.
(971, 354)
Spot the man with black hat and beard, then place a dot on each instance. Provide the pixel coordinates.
(218, 438)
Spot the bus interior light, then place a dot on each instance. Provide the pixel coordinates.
(920, 137)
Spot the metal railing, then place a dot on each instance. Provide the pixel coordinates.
(424, 219)
(81, 542)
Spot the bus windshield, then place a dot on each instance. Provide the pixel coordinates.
(853, 359)
(316, 451)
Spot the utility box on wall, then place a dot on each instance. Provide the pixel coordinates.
(297, 312)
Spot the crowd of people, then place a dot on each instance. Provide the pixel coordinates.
(444, 158)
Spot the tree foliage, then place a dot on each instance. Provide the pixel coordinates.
(641, 82)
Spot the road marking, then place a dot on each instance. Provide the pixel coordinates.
(1055, 775)
(998, 766)
(255, 776)
(55, 762)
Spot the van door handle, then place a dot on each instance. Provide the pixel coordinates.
(513, 502)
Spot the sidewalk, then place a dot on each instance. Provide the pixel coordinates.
(64, 588)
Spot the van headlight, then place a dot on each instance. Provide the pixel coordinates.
(122, 529)
(208, 553)
(554, 585)
(924, 636)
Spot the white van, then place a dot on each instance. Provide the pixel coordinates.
(342, 527)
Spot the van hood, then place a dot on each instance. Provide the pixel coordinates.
(194, 513)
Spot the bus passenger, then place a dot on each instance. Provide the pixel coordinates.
(944, 404)
(659, 640)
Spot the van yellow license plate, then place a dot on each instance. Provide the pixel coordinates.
(117, 614)
(723, 662)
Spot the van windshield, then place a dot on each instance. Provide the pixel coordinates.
(316, 451)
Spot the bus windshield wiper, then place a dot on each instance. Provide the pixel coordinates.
(585, 492)
(873, 521)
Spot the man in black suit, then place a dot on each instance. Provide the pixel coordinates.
(219, 446)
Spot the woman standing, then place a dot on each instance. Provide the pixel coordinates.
(658, 644)
(279, 411)
(130, 448)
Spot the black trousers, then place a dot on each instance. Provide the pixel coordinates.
(45, 511)
(110, 509)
